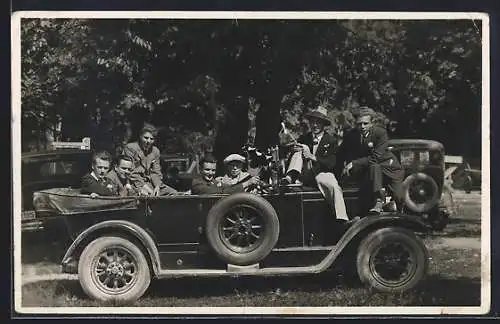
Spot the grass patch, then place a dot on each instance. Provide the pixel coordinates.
(454, 280)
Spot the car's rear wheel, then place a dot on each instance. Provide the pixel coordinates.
(113, 268)
(392, 260)
(420, 192)
(242, 228)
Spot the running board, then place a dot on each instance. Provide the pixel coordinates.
(244, 271)
(255, 270)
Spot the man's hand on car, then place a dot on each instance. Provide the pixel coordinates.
(146, 191)
(347, 169)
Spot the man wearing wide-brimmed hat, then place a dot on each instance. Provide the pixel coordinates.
(314, 157)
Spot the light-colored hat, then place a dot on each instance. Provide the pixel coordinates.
(320, 113)
(234, 157)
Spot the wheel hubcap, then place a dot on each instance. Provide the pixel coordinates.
(420, 192)
(393, 264)
(114, 271)
(241, 229)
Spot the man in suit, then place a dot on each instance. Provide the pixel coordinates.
(364, 153)
(95, 182)
(147, 177)
(120, 177)
(314, 157)
(206, 182)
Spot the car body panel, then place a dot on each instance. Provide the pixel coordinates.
(171, 230)
(189, 255)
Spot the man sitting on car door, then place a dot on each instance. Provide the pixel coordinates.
(119, 177)
(318, 150)
(147, 176)
(95, 182)
(206, 183)
(364, 153)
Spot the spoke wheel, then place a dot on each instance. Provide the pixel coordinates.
(393, 264)
(392, 259)
(113, 268)
(242, 228)
(420, 192)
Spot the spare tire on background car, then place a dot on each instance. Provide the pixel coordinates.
(242, 228)
(420, 192)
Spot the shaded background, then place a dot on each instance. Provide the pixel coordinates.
(219, 84)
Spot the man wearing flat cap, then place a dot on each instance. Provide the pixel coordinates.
(364, 153)
(234, 170)
(314, 157)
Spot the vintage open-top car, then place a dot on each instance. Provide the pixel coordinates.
(119, 244)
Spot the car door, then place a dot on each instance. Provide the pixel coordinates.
(178, 220)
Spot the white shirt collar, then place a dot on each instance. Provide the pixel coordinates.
(319, 137)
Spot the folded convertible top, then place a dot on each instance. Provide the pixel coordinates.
(68, 201)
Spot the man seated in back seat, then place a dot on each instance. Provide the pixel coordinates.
(95, 182)
(207, 184)
(119, 177)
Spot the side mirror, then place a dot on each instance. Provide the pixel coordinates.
(390, 148)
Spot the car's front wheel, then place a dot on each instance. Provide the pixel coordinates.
(113, 268)
(392, 260)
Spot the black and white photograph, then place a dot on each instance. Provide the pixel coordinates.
(256, 163)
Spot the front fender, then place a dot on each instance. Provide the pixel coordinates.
(371, 223)
(124, 226)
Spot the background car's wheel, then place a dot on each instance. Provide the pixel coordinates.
(468, 184)
(420, 192)
(113, 268)
(242, 228)
(392, 260)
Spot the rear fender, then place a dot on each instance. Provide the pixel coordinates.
(366, 225)
(112, 226)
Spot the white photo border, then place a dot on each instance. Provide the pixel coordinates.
(485, 305)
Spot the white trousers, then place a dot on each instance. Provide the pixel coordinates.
(327, 184)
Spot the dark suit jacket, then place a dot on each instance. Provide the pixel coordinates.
(326, 154)
(90, 185)
(373, 149)
(201, 186)
(119, 188)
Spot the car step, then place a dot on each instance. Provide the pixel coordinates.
(239, 268)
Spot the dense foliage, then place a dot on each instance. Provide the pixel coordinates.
(223, 83)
